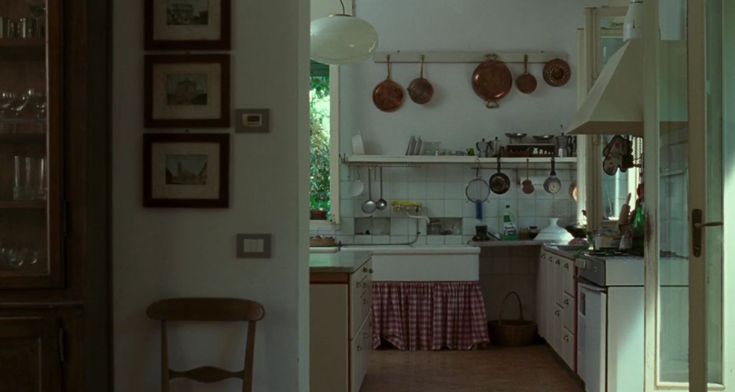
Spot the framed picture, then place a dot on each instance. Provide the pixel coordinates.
(186, 170)
(187, 24)
(187, 91)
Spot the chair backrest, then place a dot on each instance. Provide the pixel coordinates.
(207, 309)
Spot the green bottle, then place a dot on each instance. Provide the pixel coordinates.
(639, 227)
(510, 232)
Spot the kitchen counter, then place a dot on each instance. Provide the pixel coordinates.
(413, 249)
(502, 243)
(341, 262)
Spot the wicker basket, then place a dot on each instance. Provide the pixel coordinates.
(511, 332)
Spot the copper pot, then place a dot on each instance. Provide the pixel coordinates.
(492, 81)
(388, 95)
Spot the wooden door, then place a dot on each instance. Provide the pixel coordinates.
(29, 354)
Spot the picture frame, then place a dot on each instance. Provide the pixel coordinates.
(187, 91)
(188, 24)
(186, 170)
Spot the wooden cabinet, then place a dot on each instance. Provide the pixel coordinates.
(341, 329)
(30, 354)
(31, 146)
(54, 162)
(556, 304)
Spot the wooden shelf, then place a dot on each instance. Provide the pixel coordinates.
(412, 160)
(22, 205)
(22, 48)
(22, 138)
(22, 121)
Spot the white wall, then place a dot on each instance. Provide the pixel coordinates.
(456, 116)
(190, 252)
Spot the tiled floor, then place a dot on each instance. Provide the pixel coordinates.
(521, 369)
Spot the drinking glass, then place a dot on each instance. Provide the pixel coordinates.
(18, 188)
(41, 179)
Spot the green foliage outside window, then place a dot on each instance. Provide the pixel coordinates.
(319, 105)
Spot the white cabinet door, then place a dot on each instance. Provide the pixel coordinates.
(556, 329)
(567, 348)
(541, 312)
(558, 281)
(569, 312)
(360, 297)
(329, 342)
(549, 303)
(360, 350)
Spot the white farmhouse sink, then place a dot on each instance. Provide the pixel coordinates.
(400, 263)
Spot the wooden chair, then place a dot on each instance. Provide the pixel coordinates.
(207, 309)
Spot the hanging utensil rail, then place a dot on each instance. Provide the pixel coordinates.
(534, 57)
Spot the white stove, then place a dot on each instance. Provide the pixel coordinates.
(610, 317)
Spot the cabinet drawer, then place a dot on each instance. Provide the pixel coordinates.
(569, 312)
(555, 330)
(567, 272)
(361, 296)
(558, 280)
(360, 349)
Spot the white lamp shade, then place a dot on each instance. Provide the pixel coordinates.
(342, 39)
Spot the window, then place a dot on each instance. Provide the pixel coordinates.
(324, 142)
(615, 189)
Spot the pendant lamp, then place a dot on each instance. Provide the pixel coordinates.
(342, 39)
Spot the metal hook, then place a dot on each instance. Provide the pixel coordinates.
(389, 67)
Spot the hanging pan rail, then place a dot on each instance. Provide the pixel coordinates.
(534, 57)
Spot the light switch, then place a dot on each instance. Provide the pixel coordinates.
(252, 120)
(254, 246)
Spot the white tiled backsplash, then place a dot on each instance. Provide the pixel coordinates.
(441, 191)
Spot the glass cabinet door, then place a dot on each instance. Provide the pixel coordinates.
(30, 144)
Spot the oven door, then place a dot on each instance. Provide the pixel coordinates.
(591, 338)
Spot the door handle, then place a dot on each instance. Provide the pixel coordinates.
(708, 224)
(697, 227)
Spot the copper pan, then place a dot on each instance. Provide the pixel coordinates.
(557, 72)
(492, 81)
(388, 95)
(526, 83)
(420, 90)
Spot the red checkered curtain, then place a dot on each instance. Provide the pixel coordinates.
(429, 315)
